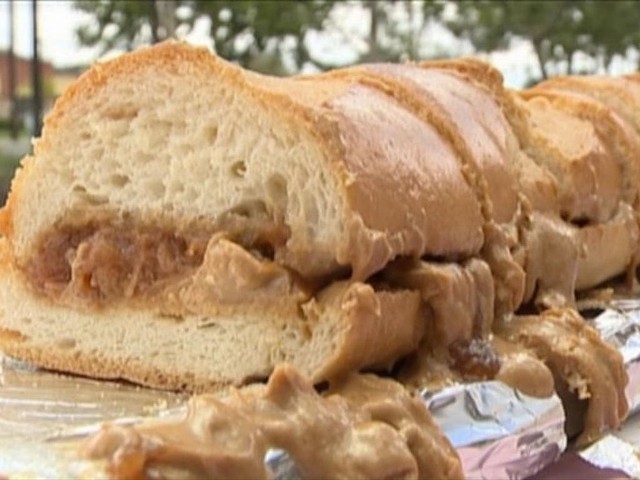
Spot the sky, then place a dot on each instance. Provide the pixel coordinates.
(58, 45)
(57, 22)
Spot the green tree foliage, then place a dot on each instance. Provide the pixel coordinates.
(260, 34)
(120, 25)
(273, 35)
(256, 33)
(395, 28)
(556, 29)
(265, 35)
(609, 28)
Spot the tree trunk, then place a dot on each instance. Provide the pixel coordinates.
(166, 17)
(373, 29)
(608, 60)
(537, 46)
(570, 63)
(13, 112)
(155, 23)
(35, 74)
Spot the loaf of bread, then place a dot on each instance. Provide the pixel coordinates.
(186, 224)
(306, 188)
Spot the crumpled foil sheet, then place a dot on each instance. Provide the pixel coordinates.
(498, 432)
(620, 326)
(613, 453)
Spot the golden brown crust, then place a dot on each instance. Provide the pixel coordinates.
(589, 175)
(488, 77)
(386, 146)
(395, 81)
(622, 143)
(617, 93)
(379, 327)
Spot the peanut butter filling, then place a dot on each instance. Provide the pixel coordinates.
(102, 264)
(577, 354)
(364, 427)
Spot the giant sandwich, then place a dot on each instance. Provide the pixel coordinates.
(186, 224)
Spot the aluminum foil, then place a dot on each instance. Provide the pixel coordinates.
(498, 431)
(620, 326)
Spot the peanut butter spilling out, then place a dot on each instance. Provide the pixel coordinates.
(107, 263)
(576, 353)
(364, 427)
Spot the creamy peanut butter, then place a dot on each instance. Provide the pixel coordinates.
(551, 261)
(365, 427)
(104, 265)
(459, 298)
(576, 353)
(522, 370)
(103, 261)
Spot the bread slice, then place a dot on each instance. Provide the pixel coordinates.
(609, 249)
(619, 138)
(619, 93)
(466, 114)
(590, 180)
(174, 137)
(576, 353)
(594, 154)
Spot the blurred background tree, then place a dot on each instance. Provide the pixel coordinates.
(256, 33)
(275, 36)
(557, 30)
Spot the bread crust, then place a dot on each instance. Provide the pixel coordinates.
(621, 141)
(590, 178)
(618, 93)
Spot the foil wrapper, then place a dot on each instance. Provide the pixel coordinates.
(619, 451)
(620, 326)
(498, 431)
(37, 408)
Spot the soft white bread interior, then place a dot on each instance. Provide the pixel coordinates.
(175, 136)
